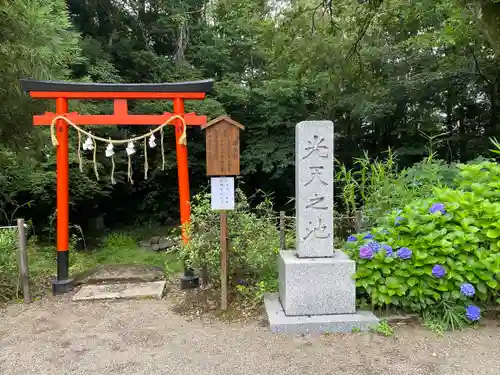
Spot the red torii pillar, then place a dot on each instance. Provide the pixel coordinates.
(62, 92)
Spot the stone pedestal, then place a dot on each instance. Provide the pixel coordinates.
(316, 295)
(316, 286)
(279, 322)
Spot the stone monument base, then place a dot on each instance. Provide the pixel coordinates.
(316, 295)
(315, 324)
(317, 286)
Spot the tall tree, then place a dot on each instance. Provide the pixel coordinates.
(36, 41)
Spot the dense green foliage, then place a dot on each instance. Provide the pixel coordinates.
(36, 41)
(453, 229)
(378, 186)
(426, 67)
(420, 78)
(254, 243)
(8, 264)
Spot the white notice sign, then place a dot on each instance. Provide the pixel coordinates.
(222, 192)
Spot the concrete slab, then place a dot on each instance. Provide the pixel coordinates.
(315, 324)
(152, 290)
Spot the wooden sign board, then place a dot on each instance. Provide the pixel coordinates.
(222, 139)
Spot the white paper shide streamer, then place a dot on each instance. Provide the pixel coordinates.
(152, 142)
(88, 145)
(109, 150)
(130, 149)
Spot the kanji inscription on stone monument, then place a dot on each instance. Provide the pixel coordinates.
(314, 188)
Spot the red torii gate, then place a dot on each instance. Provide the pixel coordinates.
(62, 92)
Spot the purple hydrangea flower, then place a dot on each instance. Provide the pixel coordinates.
(365, 252)
(388, 250)
(397, 221)
(351, 239)
(437, 207)
(369, 236)
(473, 313)
(438, 271)
(467, 290)
(374, 245)
(404, 253)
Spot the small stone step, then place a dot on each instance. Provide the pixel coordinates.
(151, 290)
(120, 273)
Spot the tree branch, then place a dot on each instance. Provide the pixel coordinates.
(471, 50)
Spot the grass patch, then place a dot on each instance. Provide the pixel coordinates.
(116, 248)
(383, 328)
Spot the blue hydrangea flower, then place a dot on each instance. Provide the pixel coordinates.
(438, 271)
(388, 250)
(437, 207)
(351, 239)
(404, 253)
(365, 252)
(369, 236)
(397, 221)
(374, 245)
(473, 313)
(467, 290)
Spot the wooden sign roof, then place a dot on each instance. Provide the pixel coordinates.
(221, 119)
(222, 140)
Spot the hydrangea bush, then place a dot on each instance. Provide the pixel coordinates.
(445, 249)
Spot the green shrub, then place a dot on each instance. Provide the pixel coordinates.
(445, 251)
(8, 264)
(377, 186)
(399, 189)
(118, 240)
(481, 178)
(253, 244)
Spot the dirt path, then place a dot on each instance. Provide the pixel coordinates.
(144, 337)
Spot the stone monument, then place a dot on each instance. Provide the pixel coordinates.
(317, 292)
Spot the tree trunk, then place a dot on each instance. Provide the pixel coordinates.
(449, 124)
(461, 139)
(494, 104)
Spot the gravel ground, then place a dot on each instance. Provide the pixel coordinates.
(146, 337)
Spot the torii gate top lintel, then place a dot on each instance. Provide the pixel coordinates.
(84, 90)
(119, 93)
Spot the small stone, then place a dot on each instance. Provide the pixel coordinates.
(165, 243)
(154, 240)
(144, 245)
